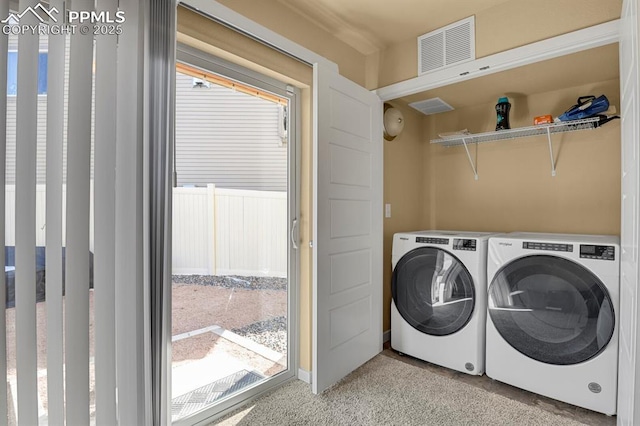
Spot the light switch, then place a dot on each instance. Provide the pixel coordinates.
(387, 210)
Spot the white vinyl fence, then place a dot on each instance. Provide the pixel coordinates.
(229, 232)
(215, 231)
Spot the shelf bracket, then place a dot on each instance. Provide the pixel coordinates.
(553, 162)
(473, 166)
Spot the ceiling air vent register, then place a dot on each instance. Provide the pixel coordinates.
(450, 45)
(431, 106)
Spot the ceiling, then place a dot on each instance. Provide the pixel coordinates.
(372, 25)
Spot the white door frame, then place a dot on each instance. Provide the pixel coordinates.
(629, 361)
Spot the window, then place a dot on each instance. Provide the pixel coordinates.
(12, 73)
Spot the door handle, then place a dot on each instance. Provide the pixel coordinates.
(294, 225)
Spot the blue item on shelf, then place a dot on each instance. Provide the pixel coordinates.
(587, 106)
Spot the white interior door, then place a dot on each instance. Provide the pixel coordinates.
(347, 279)
(629, 373)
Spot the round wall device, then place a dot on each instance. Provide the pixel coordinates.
(393, 122)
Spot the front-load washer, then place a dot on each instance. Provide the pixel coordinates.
(438, 307)
(552, 326)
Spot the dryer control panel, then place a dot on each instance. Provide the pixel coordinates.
(597, 252)
(464, 244)
(547, 246)
(429, 240)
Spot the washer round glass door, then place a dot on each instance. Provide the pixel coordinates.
(433, 291)
(551, 309)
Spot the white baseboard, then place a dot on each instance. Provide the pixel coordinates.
(386, 336)
(304, 375)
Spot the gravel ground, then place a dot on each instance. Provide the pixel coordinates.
(271, 333)
(253, 307)
(234, 281)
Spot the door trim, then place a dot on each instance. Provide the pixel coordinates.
(629, 332)
(219, 13)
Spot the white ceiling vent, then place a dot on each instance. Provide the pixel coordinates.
(450, 45)
(431, 106)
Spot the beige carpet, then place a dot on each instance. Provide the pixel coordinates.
(385, 391)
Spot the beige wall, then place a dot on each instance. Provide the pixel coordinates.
(279, 18)
(404, 172)
(200, 32)
(306, 233)
(515, 190)
(512, 24)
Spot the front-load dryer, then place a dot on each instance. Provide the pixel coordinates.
(552, 326)
(438, 311)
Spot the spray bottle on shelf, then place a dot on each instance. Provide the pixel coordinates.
(502, 109)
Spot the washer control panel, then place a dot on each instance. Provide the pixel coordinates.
(536, 245)
(429, 240)
(588, 251)
(464, 244)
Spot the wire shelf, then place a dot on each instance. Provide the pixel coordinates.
(522, 132)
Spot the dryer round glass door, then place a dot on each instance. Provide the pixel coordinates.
(433, 291)
(551, 309)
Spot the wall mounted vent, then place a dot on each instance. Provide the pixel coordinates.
(450, 45)
(431, 106)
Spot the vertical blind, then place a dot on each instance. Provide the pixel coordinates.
(104, 246)
(25, 250)
(4, 40)
(76, 346)
(53, 213)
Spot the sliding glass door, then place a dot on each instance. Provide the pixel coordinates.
(235, 212)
